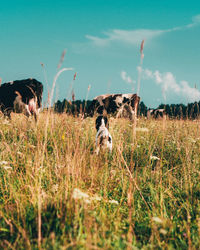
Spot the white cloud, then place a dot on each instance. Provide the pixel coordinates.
(157, 76)
(169, 85)
(148, 73)
(126, 78)
(134, 37)
(195, 21)
(131, 37)
(192, 93)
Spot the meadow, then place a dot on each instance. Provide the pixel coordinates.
(56, 193)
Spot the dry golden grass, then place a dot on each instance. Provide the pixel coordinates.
(55, 192)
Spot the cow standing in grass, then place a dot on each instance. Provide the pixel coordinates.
(156, 114)
(122, 105)
(21, 96)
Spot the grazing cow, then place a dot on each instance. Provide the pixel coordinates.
(103, 137)
(156, 113)
(21, 96)
(119, 104)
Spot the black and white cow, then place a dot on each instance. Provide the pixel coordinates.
(118, 104)
(21, 96)
(156, 113)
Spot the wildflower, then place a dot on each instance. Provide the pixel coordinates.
(55, 188)
(163, 231)
(3, 162)
(7, 167)
(153, 157)
(142, 129)
(113, 202)
(157, 219)
(78, 195)
(192, 140)
(96, 198)
(6, 122)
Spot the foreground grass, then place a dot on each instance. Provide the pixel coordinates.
(144, 195)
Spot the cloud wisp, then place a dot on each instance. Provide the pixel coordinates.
(125, 77)
(169, 84)
(133, 37)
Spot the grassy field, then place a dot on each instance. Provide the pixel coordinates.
(55, 193)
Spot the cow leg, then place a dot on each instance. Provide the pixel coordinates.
(35, 116)
(7, 114)
(119, 113)
(32, 107)
(131, 112)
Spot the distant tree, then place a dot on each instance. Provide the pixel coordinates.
(142, 109)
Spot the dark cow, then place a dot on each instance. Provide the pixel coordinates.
(118, 104)
(21, 96)
(156, 113)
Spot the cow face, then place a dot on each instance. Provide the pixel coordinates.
(26, 109)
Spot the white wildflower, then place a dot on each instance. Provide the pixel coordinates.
(6, 122)
(78, 195)
(163, 231)
(153, 157)
(192, 140)
(113, 172)
(3, 162)
(55, 188)
(142, 129)
(157, 219)
(96, 198)
(113, 202)
(41, 169)
(7, 167)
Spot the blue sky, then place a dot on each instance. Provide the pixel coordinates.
(102, 40)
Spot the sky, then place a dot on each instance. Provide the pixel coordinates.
(102, 41)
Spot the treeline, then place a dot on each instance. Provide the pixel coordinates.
(178, 111)
(181, 111)
(73, 108)
(80, 107)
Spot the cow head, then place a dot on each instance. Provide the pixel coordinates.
(26, 109)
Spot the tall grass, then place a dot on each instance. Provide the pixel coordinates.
(144, 194)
